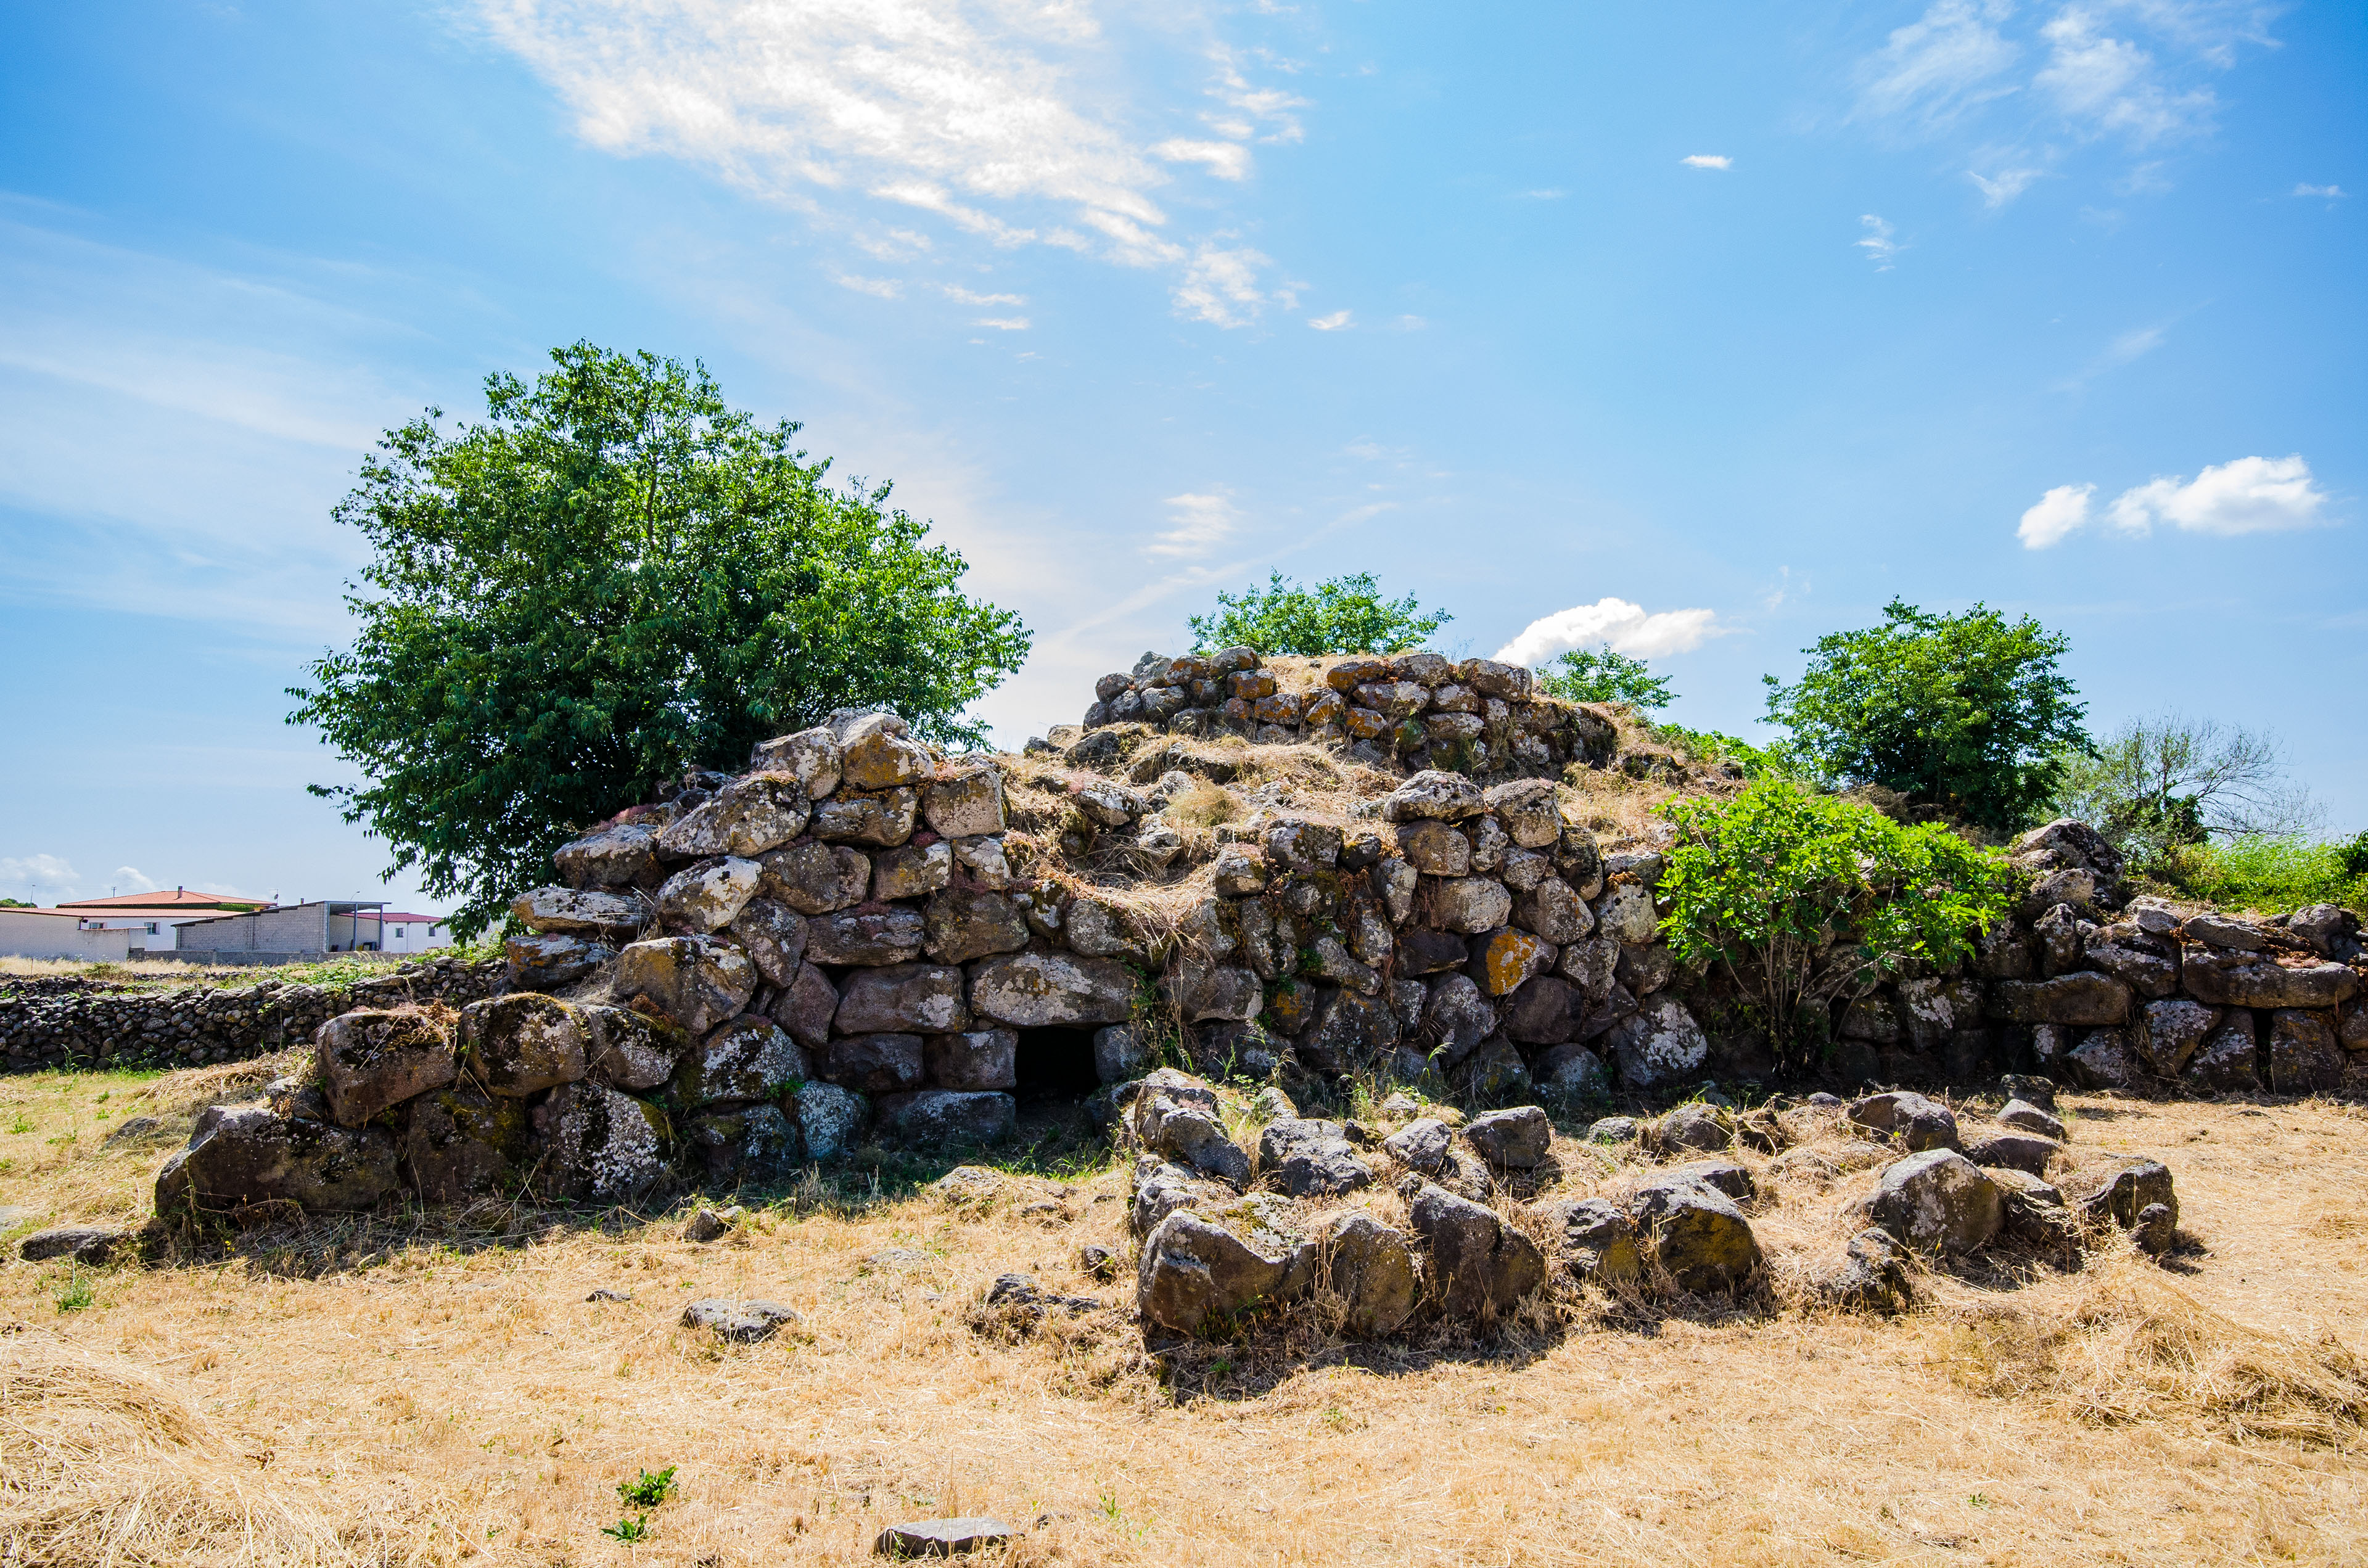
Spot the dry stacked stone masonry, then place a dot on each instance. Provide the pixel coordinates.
(861, 937)
(51, 1022)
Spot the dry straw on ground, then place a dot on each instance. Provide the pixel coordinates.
(435, 1389)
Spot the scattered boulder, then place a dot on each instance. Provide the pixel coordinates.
(943, 1537)
(1692, 1128)
(1720, 1175)
(1308, 1158)
(1938, 1201)
(2120, 1191)
(1200, 1272)
(2014, 1151)
(1916, 1122)
(1597, 1240)
(1184, 1126)
(243, 1154)
(2024, 1116)
(710, 1225)
(1421, 1145)
(2157, 1229)
(84, 1243)
(1871, 1276)
(1479, 1265)
(1696, 1233)
(2034, 1210)
(742, 1323)
(1515, 1139)
(1370, 1267)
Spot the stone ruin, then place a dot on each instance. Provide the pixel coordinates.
(1240, 872)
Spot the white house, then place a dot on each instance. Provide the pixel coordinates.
(59, 933)
(151, 917)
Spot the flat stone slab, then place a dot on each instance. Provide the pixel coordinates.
(743, 1323)
(84, 1243)
(943, 1537)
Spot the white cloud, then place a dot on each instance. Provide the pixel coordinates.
(1879, 245)
(1198, 524)
(1708, 161)
(132, 879)
(39, 877)
(2249, 496)
(1626, 626)
(1227, 160)
(964, 296)
(1547, 194)
(2334, 192)
(1002, 323)
(2111, 83)
(1003, 117)
(1332, 323)
(1221, 286)
(878, 288)
(2005, 186)
(2059, 512)
(1939, 66)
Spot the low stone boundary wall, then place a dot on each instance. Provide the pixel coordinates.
(191, 1026)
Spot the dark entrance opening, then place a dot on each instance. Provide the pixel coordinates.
(1056, 1065)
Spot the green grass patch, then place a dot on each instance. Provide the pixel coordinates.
(2269, 876)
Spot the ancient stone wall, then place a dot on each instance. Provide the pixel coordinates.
(862, 932)
(45, 1024)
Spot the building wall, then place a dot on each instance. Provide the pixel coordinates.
(418, 935)
(29, 936)
(299, 928)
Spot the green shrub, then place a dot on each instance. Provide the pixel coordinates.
(1605, 675)
(1347, 615)
(2273, 875)
(648, 1489)
(1805, 902)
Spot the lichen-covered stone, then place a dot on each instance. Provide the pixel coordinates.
(704, 898)
(370, 1059)
(247, 1154)
(811, 756)
(829, 1118)
(816, 879)
(1467, 904)
(521, 1044)
(747, 1059)
(1034, 991)
(619, 856)
(581, 912)
(871, 938)
(972, 1060)
(1695, 1233)
(773, 935)
(873, 1063)
(906, 998)
(1480, 1266)
(942, 1117)
(965, 804)
(458, 1144)
(1937, 1200)
(697, 982)
(880, 820)
(543, 960)
(1660, 1044)
(601, 1146)
(963, 923)
(627, 1049)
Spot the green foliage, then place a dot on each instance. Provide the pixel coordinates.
(1806, 901)
(17, 904)
(613, 577)
(2161, 786)
(1967, 712)
(634, 1529)
(1714, 745)
(648, 1489)
(2273, 875)
(76, 1296)
(1605, 675)
(1347, 615)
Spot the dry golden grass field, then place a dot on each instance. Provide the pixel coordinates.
(438, 1389)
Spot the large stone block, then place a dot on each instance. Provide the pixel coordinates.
(544, 960)
(2226, 979)
(1555, 911)
(241, 1155)
(601, 1146)
(972, 1060)
(880, 820)
(1661, 1044)
(1937, 1200)
(2304, 1055)
(774, 937)
(1695, 1233)
(458, 1144)
(371, 1060)
(1467, 904)
(1034, 991)
(620, 856)
(627, 1049)
(2083, 998)
(697, 982)
(963, 923)
(1480, 1266)
(873, 1063)
(704, 898)
(905, 998)
(816, 879)
(747, 1059)
(941, 1117)
(811, 756)
(964, 805)
(583, 913)
(866, 938)
(521, 1044)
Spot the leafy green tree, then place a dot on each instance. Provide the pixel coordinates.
(1605, 675)
(613, 578)
(1807, 902)
(1968, 712)
(1347, 615)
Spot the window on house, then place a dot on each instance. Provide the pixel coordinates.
(398, 930)
(152, 928)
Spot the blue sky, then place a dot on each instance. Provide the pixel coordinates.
(1707, 329)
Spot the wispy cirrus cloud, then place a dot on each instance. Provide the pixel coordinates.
(1882, 248)
(1198, 523)
(999, 117)
(1708, 161)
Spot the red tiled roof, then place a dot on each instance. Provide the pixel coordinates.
(179, 898)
